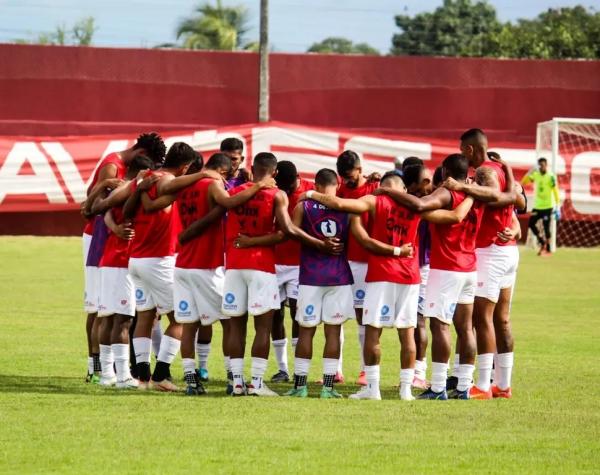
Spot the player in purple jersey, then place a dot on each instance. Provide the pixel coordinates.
(325, 291)
(234, 149)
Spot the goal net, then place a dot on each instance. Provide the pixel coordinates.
(572, 147)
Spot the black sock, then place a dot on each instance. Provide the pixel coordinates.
(143, 371)
(97, 365)
(328, 380)
(161, 371)
(229, 376)
(299, 381)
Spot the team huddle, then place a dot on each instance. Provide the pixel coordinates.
(169, 236)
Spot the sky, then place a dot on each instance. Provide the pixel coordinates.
(294, 24)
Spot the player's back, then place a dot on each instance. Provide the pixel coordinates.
(395, 225)
(205, 251)
(317, 268)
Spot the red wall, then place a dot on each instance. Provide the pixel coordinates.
(46, 90)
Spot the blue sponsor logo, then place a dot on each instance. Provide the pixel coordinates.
(360, 294)
(385, 310)
(310, 309)
(183, 305)
(229, 298)
(139, 294)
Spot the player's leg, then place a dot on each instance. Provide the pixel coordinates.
(106, 354)
(532, 224)
(142, 345)
(188, 344)
(421, 342)
(504, 345)
(406, 310)
(94, 367)
(280, 346)
(169, 347)
(89, 323)
(120, 346)
(546, 220)
(331, 356)
(408, 353)
(302, 360)
(372, 357)
(466, 350)
(483, 321)
(203, 340)
(157, 334)
(359, 273)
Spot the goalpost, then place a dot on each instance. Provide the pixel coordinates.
(572, 147)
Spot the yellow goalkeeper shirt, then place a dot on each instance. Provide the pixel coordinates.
(546, 189)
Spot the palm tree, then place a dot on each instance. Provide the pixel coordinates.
(215, 27)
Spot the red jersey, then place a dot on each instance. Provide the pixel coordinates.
(116, 250)
(495, 220)
(355, 251)
(253, 218)
(288, 252)
(156, 232)
(395, 225)
(453, 245)
(206, 250)
(111, 158)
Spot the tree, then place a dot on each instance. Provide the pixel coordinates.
(81, 34)
(457, 28)
(342, 46)
(215, 27)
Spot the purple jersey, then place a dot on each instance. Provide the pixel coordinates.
(236, 181)
(99, 238)
(316, 268)
(424, 243)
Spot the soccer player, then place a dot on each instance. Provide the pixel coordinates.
(355, 185)
(250, 280)
(547, 201)
(113, 166)
(325, 291)
(234, 149)
(287, 264)
(151, 266)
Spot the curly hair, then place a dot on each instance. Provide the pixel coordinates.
(153, 146)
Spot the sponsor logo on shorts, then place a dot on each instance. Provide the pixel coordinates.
(139, 297)
(360, 294)
(385, 310)
(124, 302)
(183, 305)
(228, 302)
(309, 309)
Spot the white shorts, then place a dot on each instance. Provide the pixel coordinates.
(359, 288)
(445, 289)
(91, 279)
(153, 280)
(496, 270)
(198, 294)
(331, 305)
(248, 290)
(117, 294)
(424, 271)
(391, 305)
(287, 279)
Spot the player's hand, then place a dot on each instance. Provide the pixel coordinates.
(332, 246)
(374, 177)
(451, 184)
(242, 241)
(557, 213)
(125, 231)
(112, 183)
(507, 234)
(382, 190)
(406, 250)
(206, 173)
(267, 182)
(495, 157)
(147, 183)
(84, 212)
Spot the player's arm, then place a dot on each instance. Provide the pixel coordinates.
(528, 178)
(373, 245)
(243, 241)
(555, 192)
(106, 172)
(224, 199)
(200, 225)
(99, 191)
(132, 204)
(486, 194)
(116, 198)
(450, 216)
(329, 246)
(123, 230)
(176, 184)
(157, 204)
(337, 203)
(511, 232)
(440, 198)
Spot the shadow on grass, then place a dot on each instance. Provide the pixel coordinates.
(64, 385)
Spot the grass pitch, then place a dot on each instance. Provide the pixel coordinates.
(51, 422)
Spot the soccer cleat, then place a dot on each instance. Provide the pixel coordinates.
(302, 391)
(202, 374)
(419, 383)
(362, 379)
(430, 394)
(456, 394)
(92, 378)
(476, 393)
(263, 391)
(238, 391)
(195, 389)
(280, 377)
(451, 383)
(366, 393)
(330, 393)
(108, 382)
(128, 383)
(229, 388)
(501, 393)
(165, 386)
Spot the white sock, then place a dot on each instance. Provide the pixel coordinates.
(169, 347)
(202, 350)
(106, 361)
(439, 372)
(504, 370)
(280, 347)
(301, 366)
(259, 366)
(90, 365)
(121, 356)
(237, 369)
(340, 360)
(372, 373)
(421, 368)
(456, 364)
(189, 365)
(157, 335)
(406, 379)
(464, 373)
(141, 346)
(484, 363)
(227, 364)
(361, 344)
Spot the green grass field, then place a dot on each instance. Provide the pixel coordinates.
(52, 422)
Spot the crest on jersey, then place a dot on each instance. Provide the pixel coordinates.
(329, 228)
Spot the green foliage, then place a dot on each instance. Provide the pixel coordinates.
(464, 28)
(342, 46)
(81, 34)
(215, 27)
